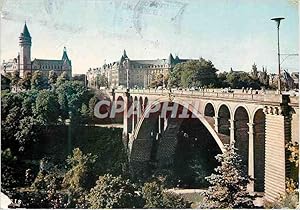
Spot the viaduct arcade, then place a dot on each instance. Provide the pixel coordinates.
(258, 124)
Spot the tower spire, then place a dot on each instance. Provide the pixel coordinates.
(65, 55)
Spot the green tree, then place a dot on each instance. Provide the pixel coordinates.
(47, 107)
(15, 78)
(222, 82)
(114, 192)
(241, 79)
(8, 173)
(80, 172)
(52, 78)
(101, 81)
(19, 127)
(92, 104)
(38, 81)
(62, 78)
(193, 73)
(229, 184)
(25, 82)
(156, 196)
(71, 96)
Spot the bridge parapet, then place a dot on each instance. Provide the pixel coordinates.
(238, 95)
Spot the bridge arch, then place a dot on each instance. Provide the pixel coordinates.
(245, 108)
(241, 134)
(190, 108)
(259, 120)
(224, 115)
(209, 109)
(148, 146)
(145, 104)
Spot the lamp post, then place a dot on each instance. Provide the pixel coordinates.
(277, 20)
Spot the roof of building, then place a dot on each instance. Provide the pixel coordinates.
(25, 31)
(150, 62)
(65, 55)
(47, 61)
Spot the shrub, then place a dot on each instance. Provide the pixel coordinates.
(114, 192)
(155, 197)
(80, 170)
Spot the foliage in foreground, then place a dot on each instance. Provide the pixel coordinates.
(155, 196)
(114, 192)
(229, 184)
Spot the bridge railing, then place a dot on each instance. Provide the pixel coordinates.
(235, 94)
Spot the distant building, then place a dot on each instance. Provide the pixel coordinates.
(295, 77)
(140, 72)
(23, 63)
(80, 78)
(262, 76)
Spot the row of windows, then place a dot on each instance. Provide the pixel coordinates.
(150, 66)
(51, 67)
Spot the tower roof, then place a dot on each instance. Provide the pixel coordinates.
(65, 55)
(25, 31)
(171, 58)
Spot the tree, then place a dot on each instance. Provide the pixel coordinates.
(254, 72)
(80, 170)
(52, 78)
(193, 73)
(38, 82)
(222, 79)
(241, 79)
(19, 126)
(8, 173)
(159, 80)
(71, 96)
(114, 192)
(15, 77)
(25, 82)
(92, 103)
(229, 184)
(102, 81)
(156, 196)
(62, 79)
(47, 107)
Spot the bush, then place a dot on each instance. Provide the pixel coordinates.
(155, 197)
(80, 170)
(114, 192)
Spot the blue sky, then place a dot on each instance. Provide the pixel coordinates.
(230, 33)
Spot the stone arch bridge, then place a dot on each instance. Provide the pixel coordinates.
(259, 124)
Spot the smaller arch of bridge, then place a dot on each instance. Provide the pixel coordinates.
(227, 106)
(251, 120)
(213, 107)
(146, 101)
(130, 99)
(188, 107)
(141, 103)
(120, 98)
(246, 108)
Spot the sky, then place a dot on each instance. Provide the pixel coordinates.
(231, 33)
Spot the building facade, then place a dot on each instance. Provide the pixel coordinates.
(132, 73)
(23, 63)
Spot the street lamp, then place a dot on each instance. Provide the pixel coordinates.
(278, 19)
